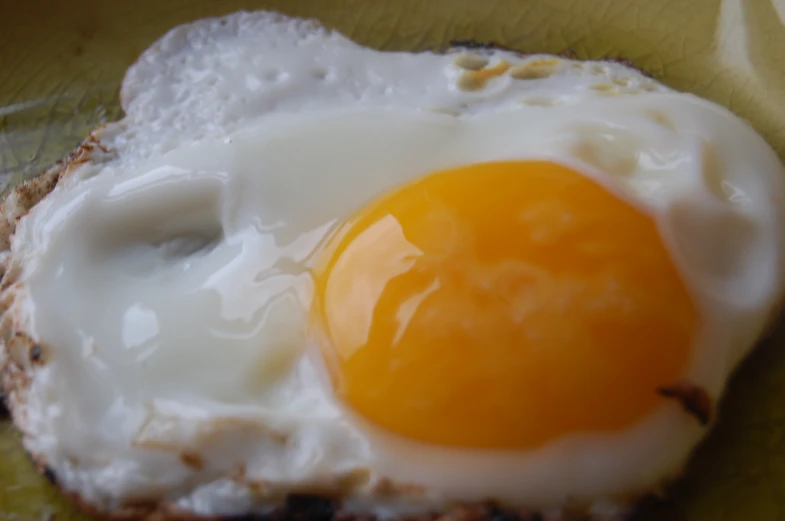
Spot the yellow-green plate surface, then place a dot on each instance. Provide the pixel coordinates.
(61, 63)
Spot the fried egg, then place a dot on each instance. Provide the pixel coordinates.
(406, 281)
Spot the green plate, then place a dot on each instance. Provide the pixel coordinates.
(61, 64)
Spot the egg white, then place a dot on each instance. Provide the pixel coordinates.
(170, 285)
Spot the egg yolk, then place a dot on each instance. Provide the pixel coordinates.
(501, 305)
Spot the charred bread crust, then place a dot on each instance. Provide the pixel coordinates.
(304, 508)
(476, 45)
(296, 507)
(4, 411)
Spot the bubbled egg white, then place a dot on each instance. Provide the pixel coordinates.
(170, 284)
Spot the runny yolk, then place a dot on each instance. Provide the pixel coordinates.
(501, 305)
